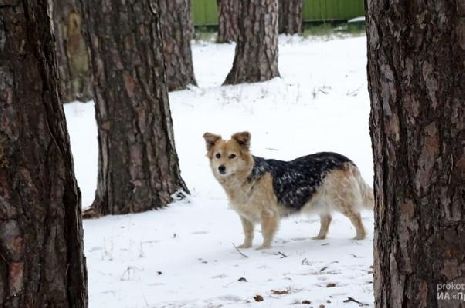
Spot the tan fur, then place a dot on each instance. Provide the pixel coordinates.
(342, 190)
(346, 192)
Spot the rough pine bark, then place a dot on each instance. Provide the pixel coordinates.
(41, 239)
(73, 60)
(177, 32)
(416, 71)
(256, 55)
(138, 164)
(228, 28)
(290, 16)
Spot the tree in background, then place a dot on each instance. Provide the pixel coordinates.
(42, 262)
(138, 164)
(416, 71)
(290, 16)
(73, 61)
(256, 55)
(177, 32)
(228, 28)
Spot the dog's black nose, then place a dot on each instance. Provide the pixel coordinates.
(222, 169)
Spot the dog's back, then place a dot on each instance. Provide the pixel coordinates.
(295, 181)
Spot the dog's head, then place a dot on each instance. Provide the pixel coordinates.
(229, 157)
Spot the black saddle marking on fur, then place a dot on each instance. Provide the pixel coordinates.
(295, 181)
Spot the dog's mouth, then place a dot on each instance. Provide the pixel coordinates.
(223, 173)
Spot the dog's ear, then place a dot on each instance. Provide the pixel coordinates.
(211, 139)
(243, 139)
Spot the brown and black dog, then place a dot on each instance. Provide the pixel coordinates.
(264, 190)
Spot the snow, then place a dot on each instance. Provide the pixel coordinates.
(357, 19)
(184, 255)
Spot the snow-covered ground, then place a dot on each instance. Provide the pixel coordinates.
(184, 255)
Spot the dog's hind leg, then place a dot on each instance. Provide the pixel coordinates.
(343, 193)
(248, 233)
(270, 223)
(325, 220)
(356, 220)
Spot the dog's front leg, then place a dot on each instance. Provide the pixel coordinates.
(248, 233)
(270, 222)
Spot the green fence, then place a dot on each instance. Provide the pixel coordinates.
(321, 10)
(205, 12)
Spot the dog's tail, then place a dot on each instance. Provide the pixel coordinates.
(365, 190)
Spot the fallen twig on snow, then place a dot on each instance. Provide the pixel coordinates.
(351, 299)
(240, 252)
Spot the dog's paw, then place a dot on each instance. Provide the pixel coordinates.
(245, 245)
(359, 237)
(319, 237)
(262, 247)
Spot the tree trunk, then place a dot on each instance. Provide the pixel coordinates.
(73, 61)
(256, 55)
(138, 164)
(177, 32)
(41, 238)
(228, 28)
(290, 16)
(416, 71)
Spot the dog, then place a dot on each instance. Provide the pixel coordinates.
(264, 190)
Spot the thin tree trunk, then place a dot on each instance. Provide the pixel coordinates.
(290, 16)
(228, 28)
(256, 55)
(41, 239)
(73, 61)
(177, 32)
(138, 164)
(416, 71)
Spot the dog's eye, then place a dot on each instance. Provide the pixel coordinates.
(218, 155)
(232, 156)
